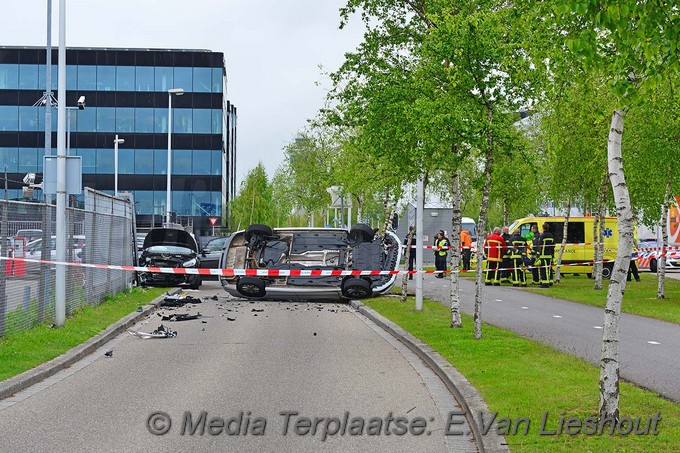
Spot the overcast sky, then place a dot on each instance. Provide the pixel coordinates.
(272, 48)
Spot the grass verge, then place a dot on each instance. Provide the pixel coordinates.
(27, 349)
(521, 378)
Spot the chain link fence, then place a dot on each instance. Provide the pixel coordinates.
(102, 233)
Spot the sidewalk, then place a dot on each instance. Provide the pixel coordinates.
(648, 347)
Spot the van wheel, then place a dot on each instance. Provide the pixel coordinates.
(257, 229)
(653, 266)
(607, 270)
(360, 232)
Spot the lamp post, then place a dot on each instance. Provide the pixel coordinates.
(81, 106)
(117, 141)
(178, 92)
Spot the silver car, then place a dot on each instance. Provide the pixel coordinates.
(308, 249)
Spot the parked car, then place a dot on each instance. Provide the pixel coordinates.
(211, 253)
(168, 247)
(29, 234)
(34, 249)
(649, 259)
(260, 247)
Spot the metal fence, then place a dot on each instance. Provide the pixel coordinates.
(102, 233)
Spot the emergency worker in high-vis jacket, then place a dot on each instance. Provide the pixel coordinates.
(494, 248)
(546, 250)
(517, 252)
(441, 251)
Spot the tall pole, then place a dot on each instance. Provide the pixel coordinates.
(419, 241)
(168, 184)
(60, 281)
(48, 90)
(68, 131)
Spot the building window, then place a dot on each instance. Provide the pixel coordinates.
(42, 75)
(106, 119)
(143, 201)
(71, 77)
(28, 118)
(28, 160)
(181, 162)
(125, 119)
(88, 159)
(160, 123)
(160, 161)
(217, 80)
(105, 161)
(201, 161)
(144, 161)
(145, 78)
(87, 78)
(164, 79)
(126, 161)
(9, 118)
(9, 76)
(125, 78)
(216, 166)
(202, 121)
(183, 78)
(28, 77)
(144, 120)
(9, 160)
(216, 121)
(106, 78)
(182, 121)
(202, 80)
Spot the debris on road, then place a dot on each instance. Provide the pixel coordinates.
(258, 310)
(109, 353)
(215, 297)
(179, 301)
(231, 318)
(161, 332)
(182, 317)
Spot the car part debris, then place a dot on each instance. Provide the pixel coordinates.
(161, 332)
(258, 310)
(109, 353)
(231, 318)
(179, 301)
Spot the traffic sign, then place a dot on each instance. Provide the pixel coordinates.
(213, 220)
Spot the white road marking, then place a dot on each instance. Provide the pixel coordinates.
(597, 327)
(556, 316)
(498, 300)
(524, 308)
(653, 342)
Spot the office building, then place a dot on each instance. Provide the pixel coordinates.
(126, 93)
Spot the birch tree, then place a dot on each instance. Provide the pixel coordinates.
(635, 43)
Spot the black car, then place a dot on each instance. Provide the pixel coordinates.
(168, 247)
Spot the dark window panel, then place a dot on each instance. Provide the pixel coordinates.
(86, 57)
(105, 99)
(217, 59)
(126, 99)
(144, 99)
(143, 141)
(28, 140)
(160, 99)
(71, 56)
(184, 59)
(202, 59)
(8, 139)
(125, 58)
(216, 101)
(183, 102)
(83, 140)
(30, 56)
(105, 58)
(201, 142)
(163, 59)
(9, 56)
(26, 97)
(144, 58)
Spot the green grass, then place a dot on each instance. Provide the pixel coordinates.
(27, 349)
(522, 378)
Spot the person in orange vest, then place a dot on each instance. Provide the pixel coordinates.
(466, 244)
(494, 248)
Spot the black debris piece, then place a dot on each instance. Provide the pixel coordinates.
(231, 318)
(179, 301)
(214, 297)
(314, 333)
(203, 329)
(109, 353)
(204, 322)
(162, 330)
(185, 316)
(258, 310)
(255, 314)
(139, 309)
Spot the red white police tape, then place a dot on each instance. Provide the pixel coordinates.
(270, 272)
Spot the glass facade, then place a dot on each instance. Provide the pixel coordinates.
(129, 99)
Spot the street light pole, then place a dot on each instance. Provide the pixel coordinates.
(178, 92)
(116, 142)
(60, 277)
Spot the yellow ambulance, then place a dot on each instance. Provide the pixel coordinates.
(579, 248)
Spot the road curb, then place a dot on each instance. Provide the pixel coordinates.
(469, 398)
(22, 381)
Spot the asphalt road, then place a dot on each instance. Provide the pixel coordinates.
(648, 347)
(312, 359)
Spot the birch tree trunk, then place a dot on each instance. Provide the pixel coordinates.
(454, 287)
(483, 213)
(564, 242)
(597, 235)
(407, 258)
(609, 363)
(661, 266)
(386, 210)
(506, 211)
(360, 209)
